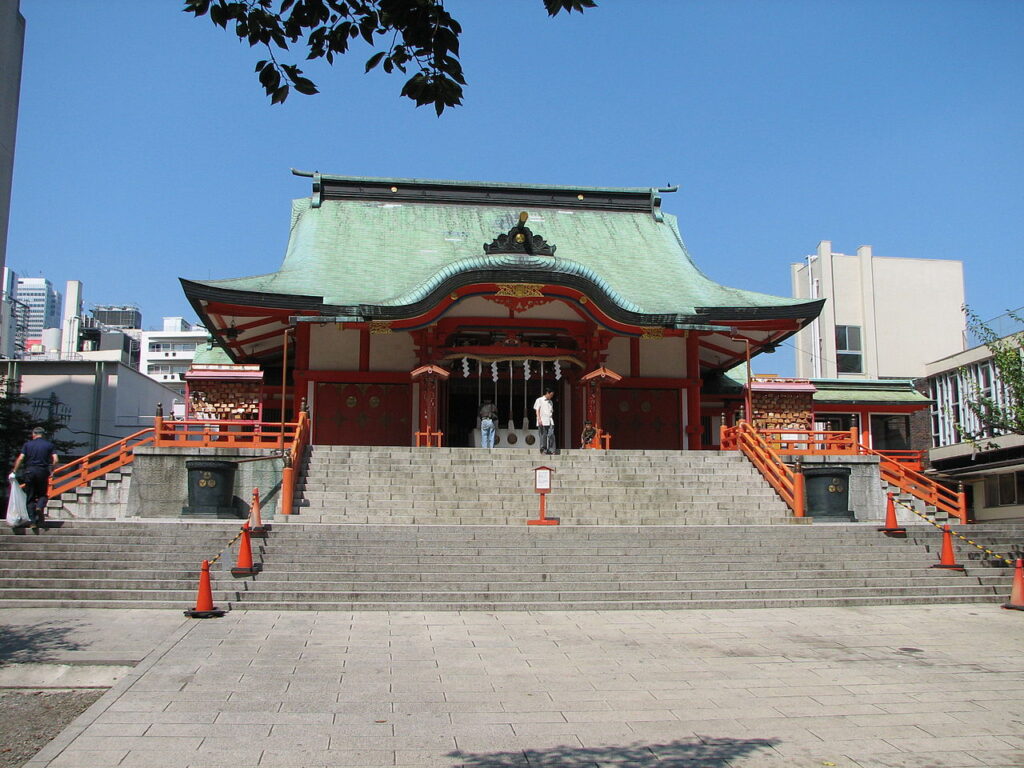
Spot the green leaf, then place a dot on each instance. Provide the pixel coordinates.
(374, 60)
(304, 86)
(279, 95)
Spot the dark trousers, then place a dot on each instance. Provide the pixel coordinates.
(547, 438)
(37, 484)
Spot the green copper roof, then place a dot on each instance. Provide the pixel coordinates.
(215, 355)
(867, 392)
(375, 252)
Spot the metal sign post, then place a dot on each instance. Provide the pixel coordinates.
(542, 485)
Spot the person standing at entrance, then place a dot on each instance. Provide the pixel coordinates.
(545, 411)
(39, 456)
(488, 424)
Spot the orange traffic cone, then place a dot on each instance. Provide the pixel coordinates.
(891, 528)
(245, 565)
(256, 527)
(204, 598)
(947, 559)
(1017, 590)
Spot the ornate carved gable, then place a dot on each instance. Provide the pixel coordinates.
(520, 239)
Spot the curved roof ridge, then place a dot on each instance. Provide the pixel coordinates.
(546, 263)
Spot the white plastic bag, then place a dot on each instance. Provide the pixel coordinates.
(17, 505)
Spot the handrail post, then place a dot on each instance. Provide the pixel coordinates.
(961, 502)
(287, 489)
(855, 439)
(158, 428)
(798, 490)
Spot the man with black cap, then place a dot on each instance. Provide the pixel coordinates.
(39, 456)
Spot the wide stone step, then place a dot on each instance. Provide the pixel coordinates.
(389, 567)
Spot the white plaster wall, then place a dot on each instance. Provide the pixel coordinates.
(618, 356)
(662, 357)
(477, 307)
(919, 317)
(555, 310)
(128, 402)
(333, 349)
(805, 340)
(392, 352)
(846, 277)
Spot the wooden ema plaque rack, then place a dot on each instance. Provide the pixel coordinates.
(224, 392)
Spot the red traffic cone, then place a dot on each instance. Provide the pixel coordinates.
(1017, 590)
(204, 597)
(256, 527)
(947, 559)
(891, 528)
(245, 565)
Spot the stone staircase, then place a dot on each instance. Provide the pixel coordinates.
(488, 568)
(465, 486)
(104, 498)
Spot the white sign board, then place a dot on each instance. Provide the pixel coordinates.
(543, 479)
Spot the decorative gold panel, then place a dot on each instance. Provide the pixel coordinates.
(520, 290)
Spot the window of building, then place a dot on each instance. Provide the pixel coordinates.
(173, 346)
(952, 390)
(836, 422)
(1004, 490)
(890, 432)
(849, 353)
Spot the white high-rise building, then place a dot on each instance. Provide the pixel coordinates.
(885, 317)
(44, 305)
(167, 354)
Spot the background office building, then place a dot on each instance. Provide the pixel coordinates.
(168, 353)
(884, 317)
(44, 305)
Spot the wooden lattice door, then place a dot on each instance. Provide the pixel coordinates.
(362, 414)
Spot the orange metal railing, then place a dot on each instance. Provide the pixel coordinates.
(429, 439)
(188, 434)
(200, 433)
(811, 442)
(294, 460)
(98, 463)
(788, 482)
(909, 480)
(899, 468)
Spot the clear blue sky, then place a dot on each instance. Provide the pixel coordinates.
(146, 149)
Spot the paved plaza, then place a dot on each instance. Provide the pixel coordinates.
(873, 686)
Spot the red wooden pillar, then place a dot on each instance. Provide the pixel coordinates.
(693, 426)
(592, 384)
(428, 376)
(364, 349)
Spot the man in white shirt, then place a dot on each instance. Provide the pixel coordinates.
(545, 412)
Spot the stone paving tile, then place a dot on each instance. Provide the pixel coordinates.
(776, 687)
(928, 760)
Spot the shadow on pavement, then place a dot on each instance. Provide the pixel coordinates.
(23, 643)
(702, 752)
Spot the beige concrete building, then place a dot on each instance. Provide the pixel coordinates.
(992, 468)
(884, 317)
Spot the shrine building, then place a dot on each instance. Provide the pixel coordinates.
(403, 304)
